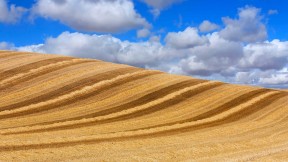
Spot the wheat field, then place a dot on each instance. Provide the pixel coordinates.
(58, 108)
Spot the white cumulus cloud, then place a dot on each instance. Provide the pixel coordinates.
(228, 60)
(266, 55)
(219, 56)
(275, 79)
(103, 47)
(247, 57)
(248, 28)
(272, 12)
(92, 15)
(6, 46)
(188, 38)
(10, 14)
(143, 33)
(160, 4)
(207, 26)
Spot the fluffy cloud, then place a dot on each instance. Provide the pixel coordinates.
(248, 28)
(205, 55)
(269, 78)
(252, 76)
(103, 47)
(143, 33)
(272, 12)
(254, 63)
(10, 14)
(6, 46)
(207, 26)
(140, 54)
(160, 4)
(275, 79)
(244, 77)
(92, 15)
(266, 55)
(220, 57)
(189, 38)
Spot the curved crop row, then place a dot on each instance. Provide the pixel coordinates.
(67, 109)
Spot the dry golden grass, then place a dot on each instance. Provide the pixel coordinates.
(57, 108)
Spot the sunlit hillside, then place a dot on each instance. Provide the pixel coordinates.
(63, 108)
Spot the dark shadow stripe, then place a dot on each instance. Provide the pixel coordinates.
(26, 78)
(34, 65)
(147, 111)
(77, 84)
(242, 114)
(70, 100)
(138, 101)
(8, 54)
(218, 110)
(161, 106)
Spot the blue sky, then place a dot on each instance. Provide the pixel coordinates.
(189, 12)
(239, 41)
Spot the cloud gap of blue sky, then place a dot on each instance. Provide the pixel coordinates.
(244, 41)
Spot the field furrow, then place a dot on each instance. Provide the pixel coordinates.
(149, 107)
(22, 77)
(70, 97)
(138, 101)
(26, 68)
(69, 88)
(163, 130)
(66, 108)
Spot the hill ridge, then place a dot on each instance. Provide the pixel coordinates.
(74, 107)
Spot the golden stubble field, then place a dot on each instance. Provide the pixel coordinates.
(57, 108)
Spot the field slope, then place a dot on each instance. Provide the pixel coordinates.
(58, 108)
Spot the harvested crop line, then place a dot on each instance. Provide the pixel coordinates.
(33, 73)
(178, 97)
(121, 115)
(17, 61)
(26, 68)
(67, 108)
(217, 110)
(138, 133)
(136, 101)
(12, 59)
(111, 92)
(7, 54)
(42, 106)
(69, 88)
(271, 111)
(45, 84)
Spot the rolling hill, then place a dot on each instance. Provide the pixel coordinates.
(55, 108)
